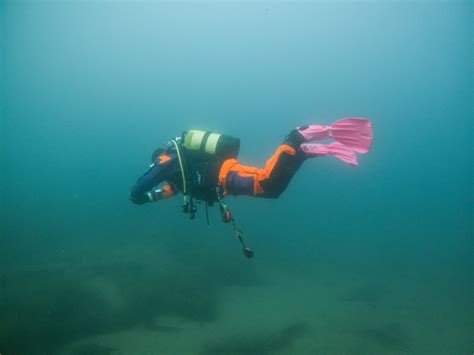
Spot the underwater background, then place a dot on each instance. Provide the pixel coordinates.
(371, 260)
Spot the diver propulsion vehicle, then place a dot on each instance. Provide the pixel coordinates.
(204, 146)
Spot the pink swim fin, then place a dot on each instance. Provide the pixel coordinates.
(354, 133)
(336, 149)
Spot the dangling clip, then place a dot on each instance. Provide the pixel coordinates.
(227, 218)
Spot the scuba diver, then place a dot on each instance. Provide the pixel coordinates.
(203, 166)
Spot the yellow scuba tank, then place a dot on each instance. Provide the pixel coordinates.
(207, 144)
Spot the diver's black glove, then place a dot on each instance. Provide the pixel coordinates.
(137, 199)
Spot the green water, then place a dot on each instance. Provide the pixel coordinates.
(372, 260)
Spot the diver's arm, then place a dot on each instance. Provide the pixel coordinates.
(139, 194)
(147, 189)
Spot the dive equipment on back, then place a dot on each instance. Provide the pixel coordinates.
(195, 150)
(206, 143)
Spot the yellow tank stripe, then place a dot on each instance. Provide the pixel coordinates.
(187, 139)
(211, 143)
(196, 139)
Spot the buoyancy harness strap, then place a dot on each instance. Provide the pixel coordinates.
(188, 203)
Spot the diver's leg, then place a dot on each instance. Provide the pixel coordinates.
(280, 169)
(269, 182)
